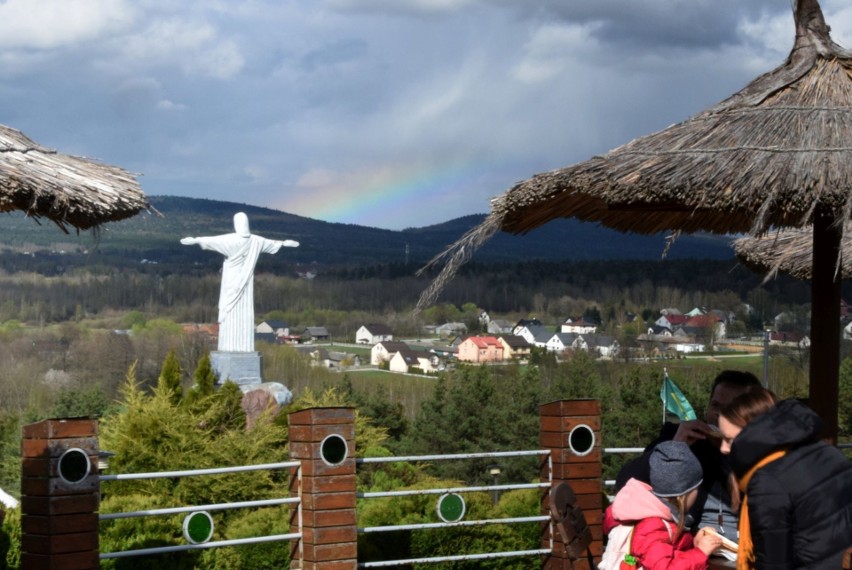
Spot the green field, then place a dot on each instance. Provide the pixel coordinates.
(410, 391)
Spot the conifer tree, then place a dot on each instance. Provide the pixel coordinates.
(169, 380)
(205, 381)
(232, 415)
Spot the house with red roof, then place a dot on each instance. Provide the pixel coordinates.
(480, 349)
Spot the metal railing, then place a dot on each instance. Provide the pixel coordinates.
(619, 450)
(204, 508)
(460, 523)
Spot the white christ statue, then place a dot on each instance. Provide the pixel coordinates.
(236, 295)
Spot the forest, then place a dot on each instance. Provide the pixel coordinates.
(109, 342)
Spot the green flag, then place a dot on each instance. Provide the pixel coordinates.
(674, 402)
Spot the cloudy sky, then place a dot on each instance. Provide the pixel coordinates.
(387, 113)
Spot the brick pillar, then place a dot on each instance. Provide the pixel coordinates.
(583, 472)
(327, 488)
(60, 495)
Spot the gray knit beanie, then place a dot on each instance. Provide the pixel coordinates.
(674, 469)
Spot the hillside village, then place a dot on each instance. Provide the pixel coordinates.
(674, 334)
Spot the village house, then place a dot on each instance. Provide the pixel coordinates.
(678, 341)
(526, 324)
(536, 335)
(314, 334)
(671, 320)
(708, 326)
(499, 326)
(658, 330)
(270, 338)
(515, 347)
(480, 349)
(383, 351)
(450, 329)
(494, 326)
(373, 333)
(334, 360)
(559, 342)
(603, 345)
(406, 359)
(211, 331)
(278, 328)
(578, 325)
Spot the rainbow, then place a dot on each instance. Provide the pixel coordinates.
(378, 198)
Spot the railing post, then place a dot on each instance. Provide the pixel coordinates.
(571, 429)
(60, 495)
(323, 439)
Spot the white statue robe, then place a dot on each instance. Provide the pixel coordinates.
(236, 295)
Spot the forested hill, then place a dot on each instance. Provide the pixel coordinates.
(156, 238)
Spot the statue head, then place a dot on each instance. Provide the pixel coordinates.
(241, 225)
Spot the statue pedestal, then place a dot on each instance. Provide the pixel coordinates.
(241, 368)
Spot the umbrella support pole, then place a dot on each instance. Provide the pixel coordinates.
(825, 323)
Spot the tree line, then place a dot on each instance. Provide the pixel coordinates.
(341, 296)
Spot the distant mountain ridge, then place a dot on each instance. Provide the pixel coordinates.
(156, 238)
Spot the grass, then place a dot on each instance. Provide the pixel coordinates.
(410, 391)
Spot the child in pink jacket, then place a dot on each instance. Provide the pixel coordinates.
(658, 512)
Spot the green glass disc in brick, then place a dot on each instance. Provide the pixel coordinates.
(451, 507)
(198, 527)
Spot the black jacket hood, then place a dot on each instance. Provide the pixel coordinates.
(787, 425)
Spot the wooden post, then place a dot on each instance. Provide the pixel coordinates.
(571, 429)
(323, 439)
(823, 393)
(60, 495)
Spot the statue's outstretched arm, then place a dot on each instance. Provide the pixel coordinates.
(189, 241)
(289, 243)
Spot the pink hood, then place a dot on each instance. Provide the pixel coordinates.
(635, 502)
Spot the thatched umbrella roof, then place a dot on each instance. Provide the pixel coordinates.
(778, 153)
(788, 251)
(68, 190)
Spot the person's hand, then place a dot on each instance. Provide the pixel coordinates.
(707, 542)
(692, 431)
(290, 243)
(189, 241)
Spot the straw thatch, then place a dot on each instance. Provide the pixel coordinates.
(772, 155)
(69, 190)
(789, 251)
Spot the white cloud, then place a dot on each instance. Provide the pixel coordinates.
(410, 7)
(196, 47)
(551, 48)
(167, 105)
(53, 24)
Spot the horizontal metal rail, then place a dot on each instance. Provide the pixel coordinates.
(460, 557)
(545, 453)
(623, 449)
(412, 458)
(611, 482)
(217, 544)
(410, 492)
(372, 529)
(194, 472)
(211, 507)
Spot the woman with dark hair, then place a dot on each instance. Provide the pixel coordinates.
(797, 506)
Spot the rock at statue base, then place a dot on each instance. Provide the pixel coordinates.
(257, 399)
(241, 368)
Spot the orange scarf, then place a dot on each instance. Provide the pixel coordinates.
(745, 554)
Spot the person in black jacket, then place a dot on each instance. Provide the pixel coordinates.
(798, 489)
(714, 504)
